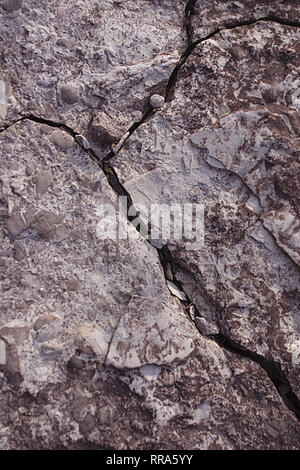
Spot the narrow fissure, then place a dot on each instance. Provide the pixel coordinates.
(273, 369)
(191, 45)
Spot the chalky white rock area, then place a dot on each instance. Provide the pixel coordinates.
(107, 342)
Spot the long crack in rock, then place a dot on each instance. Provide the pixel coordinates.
(96, 352)
(242, 120)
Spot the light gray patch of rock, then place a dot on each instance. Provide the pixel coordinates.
(61, 272)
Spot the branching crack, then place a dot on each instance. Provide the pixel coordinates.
(191, 45)
(272, 368)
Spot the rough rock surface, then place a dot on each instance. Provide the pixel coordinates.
(68, 62)
(210, 16)
(100, 347)
(230, 140)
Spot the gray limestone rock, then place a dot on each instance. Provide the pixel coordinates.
(210, 15)
(229, 141)
(109, 54)
(111, 340)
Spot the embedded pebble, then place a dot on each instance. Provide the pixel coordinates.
(69, 94)
(16, 224)
(51, 349)
(103, 129)
(62, 140)
(157, 101)
(62, 42)
(43, 180)
(11, 5)
(45, 320)
(93, 340)
(175, 291)
(73, 284)
(168, 378)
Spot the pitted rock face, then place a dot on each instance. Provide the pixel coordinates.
(89, 324)
(62, 62)
(66, 271)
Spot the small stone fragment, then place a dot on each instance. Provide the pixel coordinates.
(45, 222)
(192, 312)
(175, 291)
(93, 340)
(2, 352)
(83, 141)
(47, 327)
(168, 378)
(51, 349)
(69, 94)
(45, 320)
(73, 284)
(19, 250)
(62, 140)
(62, 42)
(61, 232)
(157, 101)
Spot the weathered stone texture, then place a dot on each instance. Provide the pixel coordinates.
(104, 344)
(68, 62)
(230, 140)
